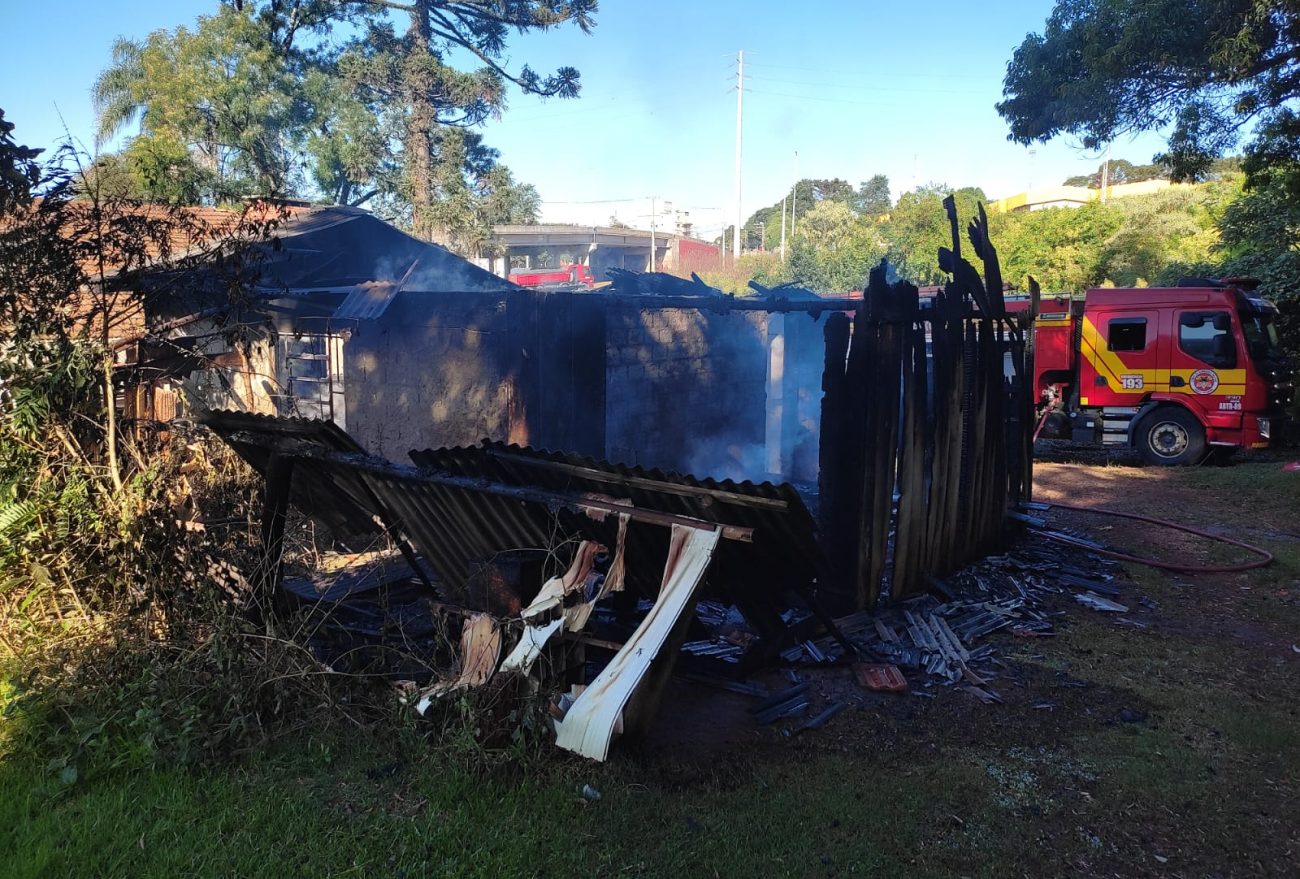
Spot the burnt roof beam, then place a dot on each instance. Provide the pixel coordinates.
(597, 475)
(587, 503)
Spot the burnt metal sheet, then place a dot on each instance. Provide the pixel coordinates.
(462, 507)
(785, 555)
(334, 499)
(455, 521)
(367, 301)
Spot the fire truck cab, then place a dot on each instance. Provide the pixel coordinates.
(1178, 373)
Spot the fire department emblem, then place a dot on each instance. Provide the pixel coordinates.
(1204, 381)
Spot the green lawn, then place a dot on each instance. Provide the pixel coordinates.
(1202, 781)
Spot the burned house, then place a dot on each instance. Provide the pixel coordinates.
(406, 345)
(549, 561)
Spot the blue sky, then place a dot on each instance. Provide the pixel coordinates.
(856, 88)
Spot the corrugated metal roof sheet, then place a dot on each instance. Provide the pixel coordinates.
(342, 507)
(367, 301)
(784, 555)
(464, 506)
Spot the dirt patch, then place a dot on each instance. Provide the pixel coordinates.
(1042, 704)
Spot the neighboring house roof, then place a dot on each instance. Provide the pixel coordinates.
(338, 261)
(343, 251)
(339, 247)
(140, 238)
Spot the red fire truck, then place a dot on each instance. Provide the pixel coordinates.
(572, 275)
(1179, 373)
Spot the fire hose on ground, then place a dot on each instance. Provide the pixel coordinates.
(1265, 557)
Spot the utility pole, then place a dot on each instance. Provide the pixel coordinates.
(652, 233)
(740, 117)
(784, 199)
(794, 195)
(1105, 174)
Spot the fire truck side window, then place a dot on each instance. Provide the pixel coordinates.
(1127, 334)
(1207, 336)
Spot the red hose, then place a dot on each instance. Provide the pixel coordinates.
(1047, 412)
(1265, 556)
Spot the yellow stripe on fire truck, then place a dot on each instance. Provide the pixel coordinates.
(1121, 377)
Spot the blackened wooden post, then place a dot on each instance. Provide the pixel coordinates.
(279, 481)
(831, 476)
(910, 533)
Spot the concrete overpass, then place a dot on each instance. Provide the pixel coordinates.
(549, 245)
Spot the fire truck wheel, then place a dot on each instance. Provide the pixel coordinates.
(1170, 436)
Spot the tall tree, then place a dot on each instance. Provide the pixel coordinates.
(218, 97)
(873, 198)
(1102, 68)
(411, 76)
(834, 249)
(764, 225)
(1117, 172)
(918, 227)
(284, 97)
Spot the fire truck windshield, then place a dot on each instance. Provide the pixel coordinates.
(1260, 329)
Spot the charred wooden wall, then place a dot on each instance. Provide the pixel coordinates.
(716, 392)
(925, 436)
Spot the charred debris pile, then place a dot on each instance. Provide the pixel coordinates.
(594, 581)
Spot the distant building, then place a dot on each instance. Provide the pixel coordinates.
(1073, 196)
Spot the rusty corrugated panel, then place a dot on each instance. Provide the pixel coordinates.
(453, 522)
(775, 511)
(335, 500)
(480, 502)
(785, 554)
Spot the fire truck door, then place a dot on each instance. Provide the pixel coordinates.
(1206, 365)
(1122, 360)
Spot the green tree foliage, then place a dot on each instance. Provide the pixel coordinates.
(406, 73)
(1102, 68)
(872, 197)
(834, 249)
(1121, 171)
(1060, 247)
(216, 104)
(1261, 239)
(918, 226)
(1127, 242)
(355, 101)
(763, 228)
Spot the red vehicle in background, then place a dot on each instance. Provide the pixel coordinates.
(572, 275)
(1178, 373)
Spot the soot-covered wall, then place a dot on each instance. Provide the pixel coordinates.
(727, 394)
(451, 369)
(731, 394)
(685, 389)
(434, 370)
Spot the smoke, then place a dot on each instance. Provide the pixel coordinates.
(729, 458)
(758, 416)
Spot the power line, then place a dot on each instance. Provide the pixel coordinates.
(861, 72)
(598, 200)
(824, 99)
(846, 85)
